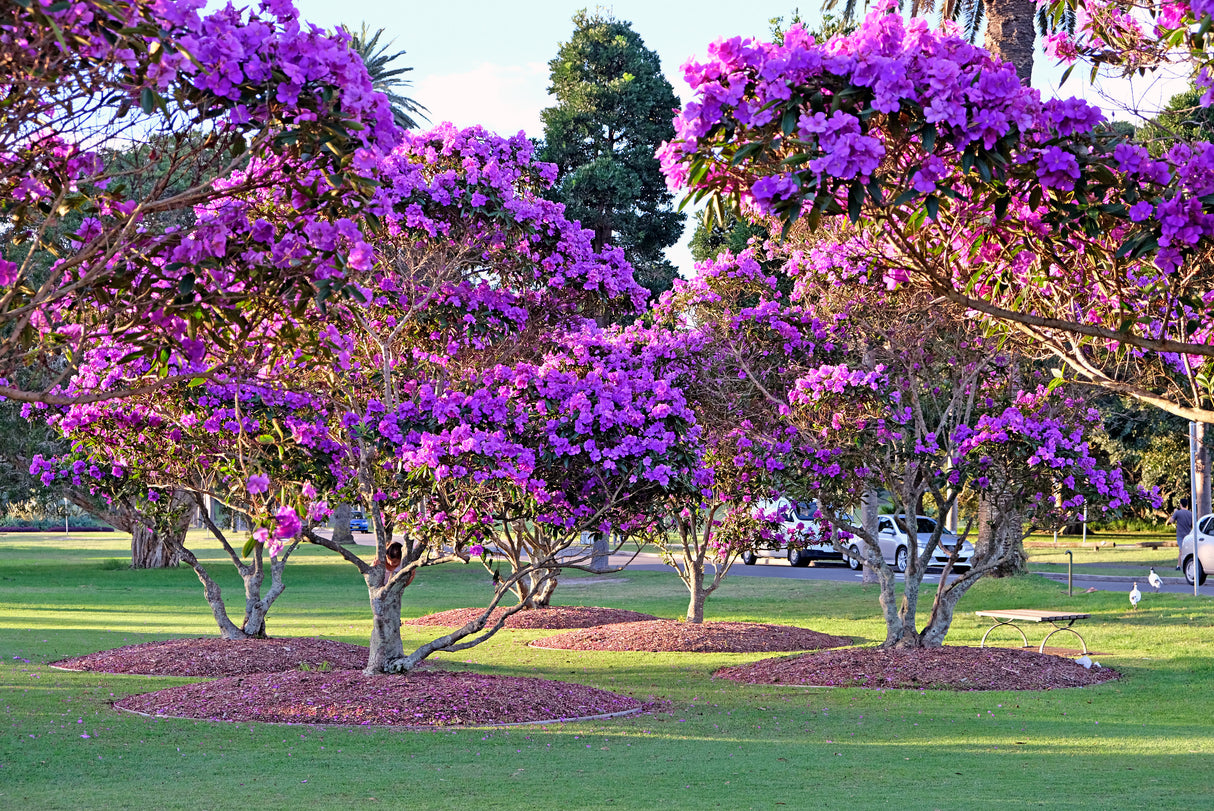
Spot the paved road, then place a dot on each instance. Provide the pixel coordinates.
(771, 567)
(829, 570)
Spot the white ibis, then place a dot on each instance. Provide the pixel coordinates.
(1154, 580)
(1135, 596)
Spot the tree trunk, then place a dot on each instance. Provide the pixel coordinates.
(541, 596)
(599, 553)
(1010, 34)
(895, 629)
(1010, 537)
(341, 524)
(386, 649)
(214, 597)
(150, 551)
(869, 510)
(695, 584)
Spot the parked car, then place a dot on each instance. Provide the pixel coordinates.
(358, 521)
(895, 545)
(1205, 550)
(799, 519)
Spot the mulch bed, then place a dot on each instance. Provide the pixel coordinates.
(429, 698)
(551, 618)
(948, 668)
(709, 637)
(214, 657)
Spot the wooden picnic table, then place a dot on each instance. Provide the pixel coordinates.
(1015, 615)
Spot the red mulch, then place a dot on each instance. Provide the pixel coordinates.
(948, 668)
(551, 618)
(708, 637)
(214, 657)
(419, 699)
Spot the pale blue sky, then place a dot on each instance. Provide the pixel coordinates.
(486, 61)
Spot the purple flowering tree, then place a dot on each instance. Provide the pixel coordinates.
(162, 171)
(455, 333)
(260, 450)
(871, 389)
(608, 418)
(962, 183)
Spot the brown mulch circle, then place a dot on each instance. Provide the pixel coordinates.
(432, 698)
(708, 637)
(948, 668)
(214, 657)
(552, 618)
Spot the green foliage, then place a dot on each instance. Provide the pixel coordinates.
(1183, 120)
(613, 109)
(712, 238)
(1151, 446)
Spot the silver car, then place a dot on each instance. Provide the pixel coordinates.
(895, 545)
(1205, 551)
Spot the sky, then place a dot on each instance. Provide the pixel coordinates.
(486, 61)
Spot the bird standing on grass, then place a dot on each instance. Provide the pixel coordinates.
(1135, 596)
(1154, 580)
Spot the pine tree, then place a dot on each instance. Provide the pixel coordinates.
(613, 109)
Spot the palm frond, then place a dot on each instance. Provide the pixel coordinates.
(385, 78)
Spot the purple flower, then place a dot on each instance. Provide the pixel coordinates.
(257, 483)
(289, 524)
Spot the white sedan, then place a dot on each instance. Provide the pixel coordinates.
(895, 545)
(1205, 551)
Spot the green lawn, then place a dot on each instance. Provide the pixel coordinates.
(1142, 742)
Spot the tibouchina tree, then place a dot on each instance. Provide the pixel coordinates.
(890, 390)
(141, 142)
(477, 284)
(263, 452)
(1029, 213)
(738, 448)
(607, 408)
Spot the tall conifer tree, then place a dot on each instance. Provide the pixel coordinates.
(613, 109)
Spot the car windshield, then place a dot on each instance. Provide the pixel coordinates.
(926, 525)
(804, 510)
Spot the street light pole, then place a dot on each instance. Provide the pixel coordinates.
(1194, 511)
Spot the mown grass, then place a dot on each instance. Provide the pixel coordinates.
(1144, 741)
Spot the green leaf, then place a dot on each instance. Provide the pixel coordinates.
(789, 122)
(928, 135)
(248, 547)
(147, 100)
(1001, 204)
(933, 206)
(855, 200)
(745, 152)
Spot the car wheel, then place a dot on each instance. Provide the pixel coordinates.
(901, 558)
(853, 558)
(748, 558)
(1188, 571)
(796, 557)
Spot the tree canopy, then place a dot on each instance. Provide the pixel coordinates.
(613, 109)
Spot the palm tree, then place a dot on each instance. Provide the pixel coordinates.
(1010, 25)
(385, 78)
